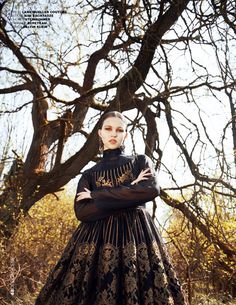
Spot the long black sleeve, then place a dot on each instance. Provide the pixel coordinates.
(131, 195)
(86, 210)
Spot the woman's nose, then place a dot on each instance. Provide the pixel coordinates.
(113, 133)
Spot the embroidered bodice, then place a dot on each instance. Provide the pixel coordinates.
(115, 169)
(110, 184)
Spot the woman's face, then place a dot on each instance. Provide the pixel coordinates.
(112, 133)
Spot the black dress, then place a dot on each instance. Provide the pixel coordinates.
(116, 255)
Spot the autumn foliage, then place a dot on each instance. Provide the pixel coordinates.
(35, 248)
(205, 270)
(206, 273)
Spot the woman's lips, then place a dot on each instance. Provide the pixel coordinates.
(113, 141)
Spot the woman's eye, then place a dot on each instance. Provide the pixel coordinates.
(107, 128)
(120, 130)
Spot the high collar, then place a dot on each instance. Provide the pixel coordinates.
(110, 154)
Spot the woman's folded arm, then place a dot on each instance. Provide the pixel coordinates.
(131, 195)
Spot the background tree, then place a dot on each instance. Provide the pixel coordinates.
(167, 65)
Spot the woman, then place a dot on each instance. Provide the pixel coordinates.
(116, 255)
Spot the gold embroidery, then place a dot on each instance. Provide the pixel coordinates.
(114, 177)
(109, 262)
(126, 176)
(101, 181)
(140, 261)
(121, 259)
(110, 256)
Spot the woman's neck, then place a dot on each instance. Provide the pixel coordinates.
(112, 153)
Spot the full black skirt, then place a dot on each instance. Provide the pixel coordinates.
(119, 260)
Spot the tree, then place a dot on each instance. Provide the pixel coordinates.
(140, 57)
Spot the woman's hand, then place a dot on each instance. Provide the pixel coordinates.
(84, 195)
(143, 175)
